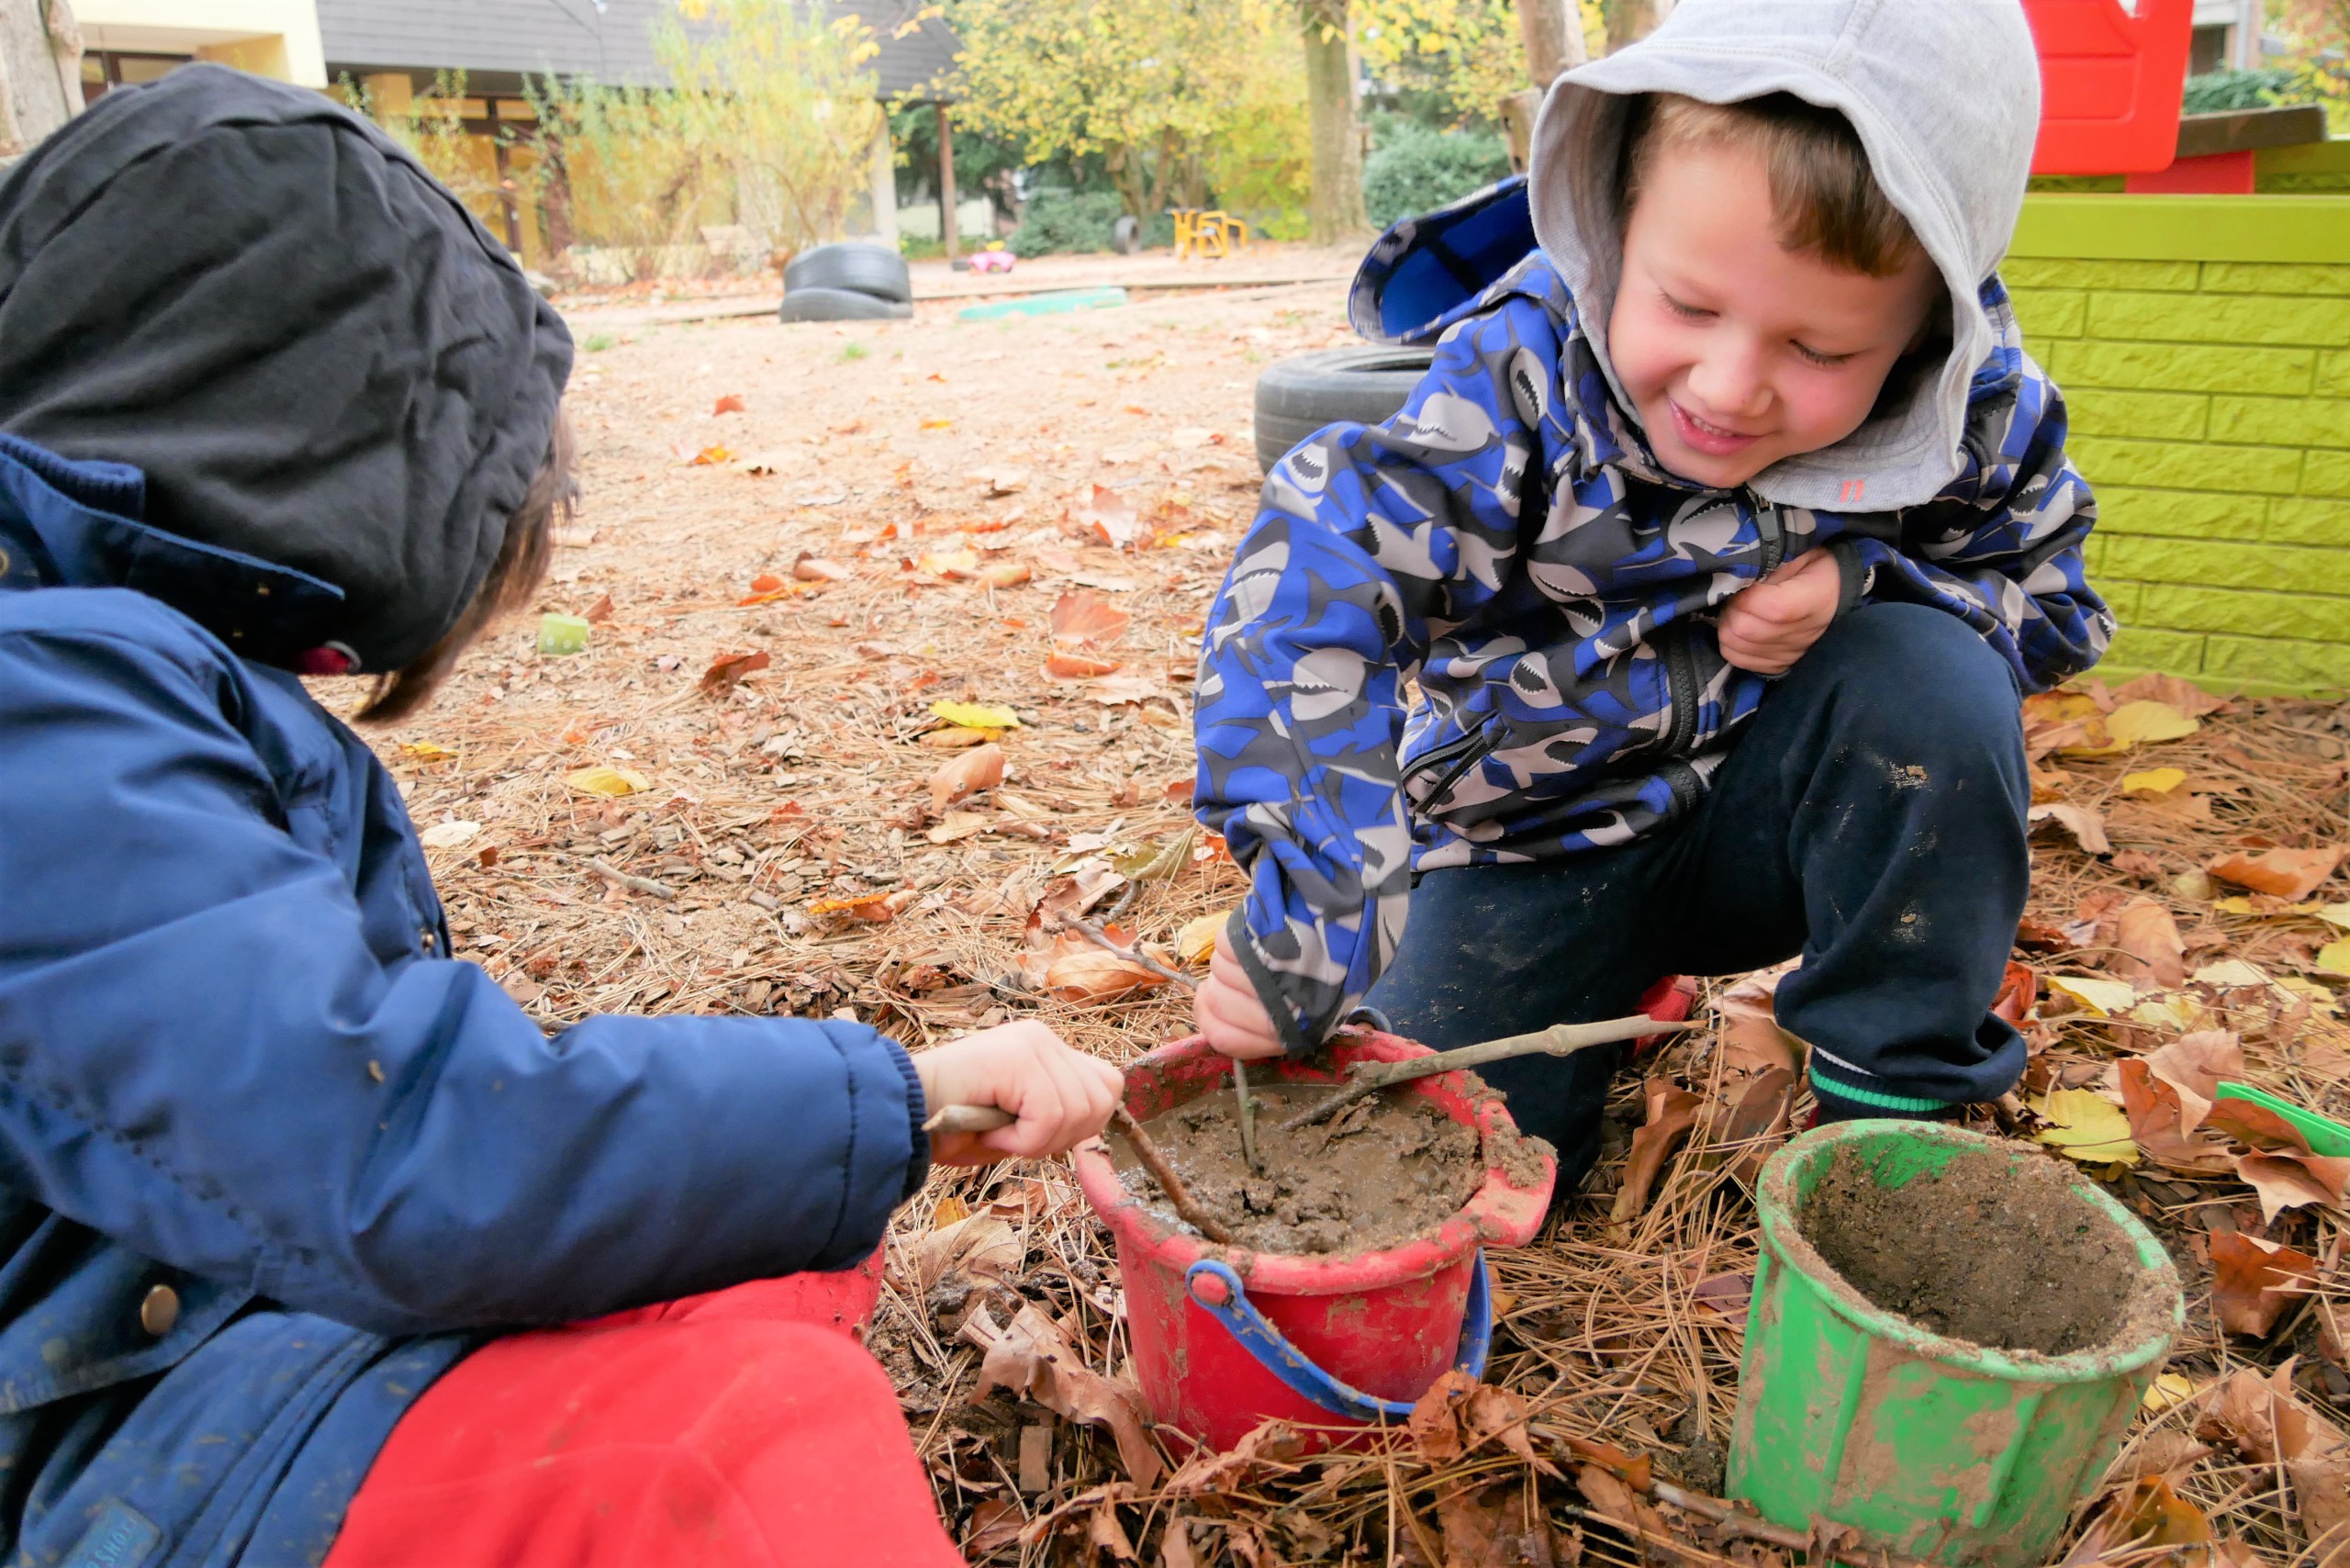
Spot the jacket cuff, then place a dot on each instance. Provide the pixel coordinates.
(1856, 575)
(917, 1112)
(1851, 1103)
(1294, 1040)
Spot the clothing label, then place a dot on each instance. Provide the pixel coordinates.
(121, 1536)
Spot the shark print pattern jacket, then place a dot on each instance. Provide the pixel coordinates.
(1482, 631)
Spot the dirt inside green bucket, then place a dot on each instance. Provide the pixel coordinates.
(1998, 1249)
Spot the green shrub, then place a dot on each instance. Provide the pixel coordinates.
(2219, 92)
(1418, 170)
(1060, 222)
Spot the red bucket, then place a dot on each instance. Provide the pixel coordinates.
(1223, 1337)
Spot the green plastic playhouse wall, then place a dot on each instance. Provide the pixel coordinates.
(2203, 345)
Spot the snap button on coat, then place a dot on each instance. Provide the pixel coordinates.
(159, 1311)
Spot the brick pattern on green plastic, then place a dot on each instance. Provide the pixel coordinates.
(2210, 412)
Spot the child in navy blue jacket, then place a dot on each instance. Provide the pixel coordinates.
(1719, 540)
(276, 1171)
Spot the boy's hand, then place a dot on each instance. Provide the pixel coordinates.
(1061, 1096)
(1768, 627)
(1227, 1010)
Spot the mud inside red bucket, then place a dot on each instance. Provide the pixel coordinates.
(1387, 1322)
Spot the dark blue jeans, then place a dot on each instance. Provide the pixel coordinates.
(1871, 817)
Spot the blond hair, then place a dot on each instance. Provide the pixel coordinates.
(1824, 198)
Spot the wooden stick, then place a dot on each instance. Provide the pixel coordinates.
(969, 1119)
(1244, 1108)
(1560, 1039)
(1168, 1182)
(621, 878)
(1101, 939)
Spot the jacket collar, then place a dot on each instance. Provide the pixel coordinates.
(76, 524)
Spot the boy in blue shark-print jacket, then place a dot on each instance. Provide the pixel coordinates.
(1717, 556)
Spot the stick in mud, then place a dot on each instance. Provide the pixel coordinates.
(1153, 1161)
(1557, 1040)
(1244, 1110)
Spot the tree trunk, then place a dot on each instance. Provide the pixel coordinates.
(1337, 207)
(1553, 33)
(1628, 22)
(949, 230)
(33, 74)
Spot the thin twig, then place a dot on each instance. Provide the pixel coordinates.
(969, 1119)
(1558, 1040)
(1153, 1161)
(1245, 1107)
(1747, 1527)
(1099, 938)
(621, 878)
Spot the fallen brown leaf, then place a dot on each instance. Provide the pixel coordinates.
(2145, 1514)
(975, 1244)
(2253, 1281)
(2285, 1179)
(965, 775)
(1271, 1444)
(730, 404)
(728, 669)
(1061, 666)
(2288, 873)
(2266, 1419)
(811, 568)
(2184, 695)
(995, 1524)
(1108, 517)
(2163, 1120)
(2151, 945)
(1672, 1112)
(1083, 619)
(2197, 1063)
(1087, 973)
(600, 611)
(2087, 827)
(1033, 1358)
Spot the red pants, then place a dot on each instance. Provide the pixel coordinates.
(738, 1427)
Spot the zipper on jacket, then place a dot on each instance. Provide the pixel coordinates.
(1681, 690)
(1766, 524)
(1455, 756)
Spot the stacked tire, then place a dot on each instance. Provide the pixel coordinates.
(851, 281)
(1297, 396)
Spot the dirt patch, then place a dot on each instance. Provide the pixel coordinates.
(1999, 1252)
(1376, 1175)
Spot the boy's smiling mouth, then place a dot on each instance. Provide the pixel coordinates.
(1710, 439)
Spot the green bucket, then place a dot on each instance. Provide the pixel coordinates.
(1931, 1445)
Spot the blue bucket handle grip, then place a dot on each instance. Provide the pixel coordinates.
(1296, 1367)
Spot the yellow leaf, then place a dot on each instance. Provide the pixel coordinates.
(936, 424)
(2336, 913)
(2103, 997)
(2154, 781)
(2135, 723)
(2085, 1125)
(952, 1208)
(2165, 1391)
(426, 751)
(1196, 941)
(975, 715)
(2334, 959)
(604, 780)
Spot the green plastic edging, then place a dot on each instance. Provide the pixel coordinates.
(1044, 304)
(2095, 227)
(2325, 1135)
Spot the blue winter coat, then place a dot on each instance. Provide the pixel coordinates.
(271, 1160)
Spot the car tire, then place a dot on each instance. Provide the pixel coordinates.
(841, 305)
(860, 267)
(1366, 385)
(1125, 235)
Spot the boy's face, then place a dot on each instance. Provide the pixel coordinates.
(1735, 351)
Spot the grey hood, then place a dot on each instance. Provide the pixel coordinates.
(1946, 98)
